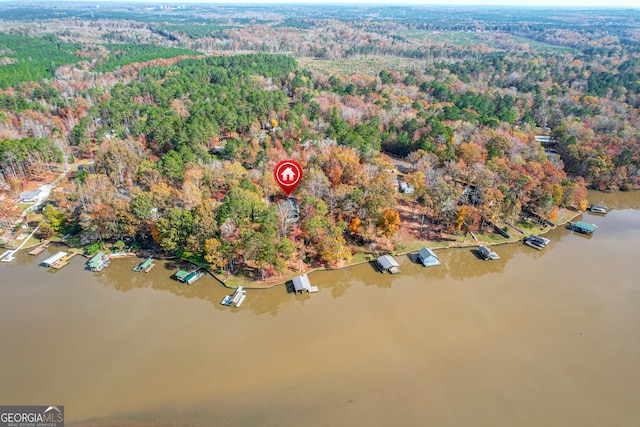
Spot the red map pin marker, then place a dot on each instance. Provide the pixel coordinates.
(288, 175)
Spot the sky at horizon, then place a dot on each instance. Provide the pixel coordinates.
(633, 4)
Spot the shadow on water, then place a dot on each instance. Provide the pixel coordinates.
(413, 258)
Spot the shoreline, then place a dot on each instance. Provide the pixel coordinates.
(253, 285)
(426, 243)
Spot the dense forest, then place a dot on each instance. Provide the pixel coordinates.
(183, 134)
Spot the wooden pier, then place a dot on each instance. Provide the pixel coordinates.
(40, 248)
(64, 261)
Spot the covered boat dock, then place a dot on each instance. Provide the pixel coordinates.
(188, 277)
(582, 227)
(98, 262)
(52, 261)
(145, 266)
(387, 263)
(427, 257)
(302, 284)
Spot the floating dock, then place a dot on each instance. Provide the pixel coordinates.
(145, 266)
(536, 242)
(487, 254)
(236, 299)
(8, 256)
(40, 248)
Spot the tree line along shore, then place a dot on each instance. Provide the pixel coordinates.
(175, 154)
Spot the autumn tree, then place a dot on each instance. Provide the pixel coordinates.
(53, 217)
(205, 225)
(354, 226)
(214, 255)
(388, 223)
(45, 231)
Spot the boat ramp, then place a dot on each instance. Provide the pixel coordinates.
(236, 299)
(145, 265)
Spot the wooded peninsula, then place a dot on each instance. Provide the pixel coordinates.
(410, 126)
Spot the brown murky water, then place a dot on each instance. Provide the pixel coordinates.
(537, 338)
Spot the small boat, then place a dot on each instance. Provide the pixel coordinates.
(536, 242)
(487, 254)
(599, 209)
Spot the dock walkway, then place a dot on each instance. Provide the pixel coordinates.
(9, 255)
(64, 261)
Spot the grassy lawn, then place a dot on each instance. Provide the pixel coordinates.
(566, 215)
(247, 282)
(530, 228)
(33, 241)
(194, 259)
(491, 238)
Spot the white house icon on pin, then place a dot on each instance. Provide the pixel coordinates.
(288, 175)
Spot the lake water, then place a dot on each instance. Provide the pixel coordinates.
(537, 338)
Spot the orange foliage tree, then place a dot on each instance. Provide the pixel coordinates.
(389, 223)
